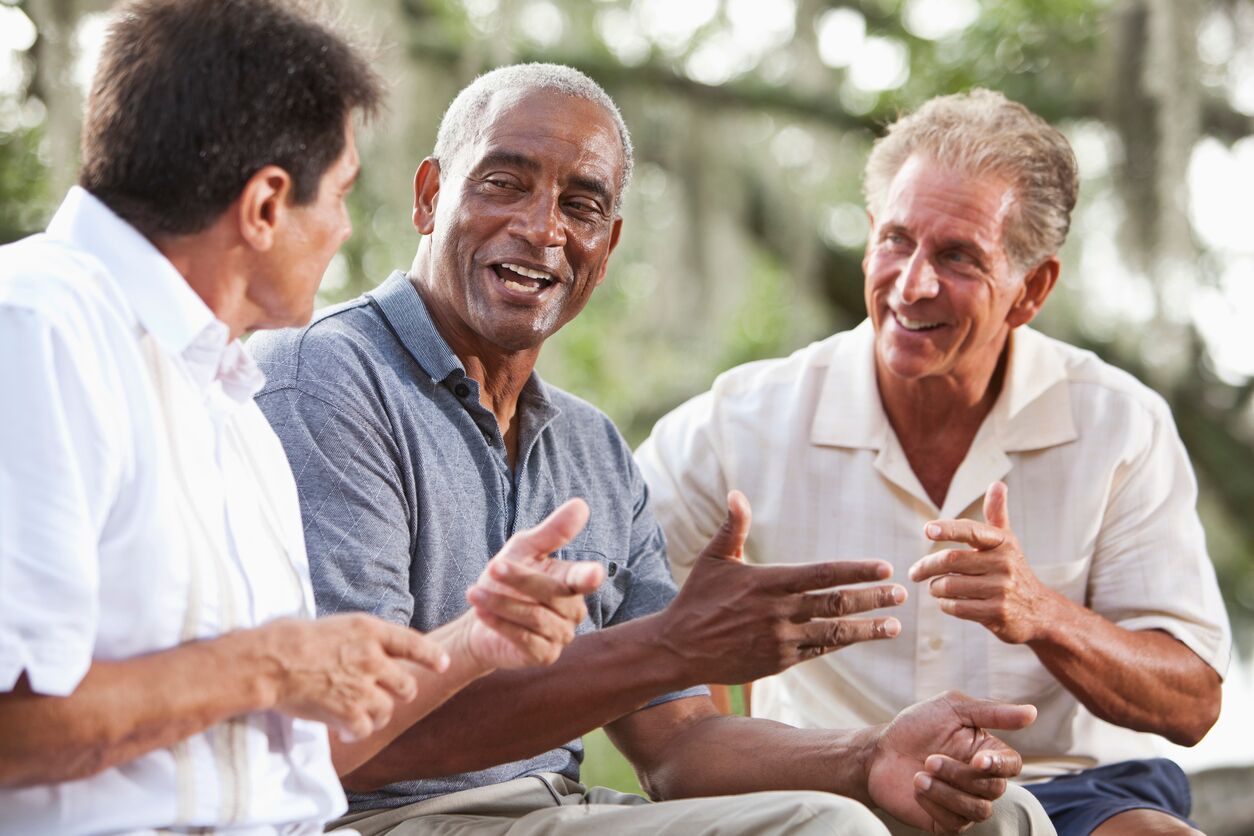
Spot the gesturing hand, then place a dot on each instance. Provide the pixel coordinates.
(990, 583)
(347, 671)
(935, 767)
(527, 604)
(734, 623)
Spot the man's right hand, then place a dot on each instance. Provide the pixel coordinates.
(734, 623)
(348, 671)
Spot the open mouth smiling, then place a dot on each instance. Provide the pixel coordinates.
(522, 279)
(915, 324)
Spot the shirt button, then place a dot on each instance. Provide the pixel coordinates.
(935, 643)
(462, 390)
(612, 570)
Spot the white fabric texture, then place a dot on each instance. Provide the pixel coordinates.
(1101, 497)
(144, 502)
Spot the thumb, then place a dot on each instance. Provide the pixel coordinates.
(990, 714)
(553, 532)
(995, 513)
(729, 542)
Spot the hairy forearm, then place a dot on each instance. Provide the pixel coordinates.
(124, 709)
(510, 715)
(722, 755)
(1140, 679)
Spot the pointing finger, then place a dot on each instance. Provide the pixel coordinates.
(975, 534)
(553, 532)
(948, 562)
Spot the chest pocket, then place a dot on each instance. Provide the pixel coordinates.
(609, 596)
(1014, 671)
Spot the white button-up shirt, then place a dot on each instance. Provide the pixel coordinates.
(144, 502)
(1101, 497)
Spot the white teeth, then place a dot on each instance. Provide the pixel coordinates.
(915, 324)
(531, 274)
(522, 288)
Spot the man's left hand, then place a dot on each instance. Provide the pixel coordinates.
(935, 767)
(990, 583)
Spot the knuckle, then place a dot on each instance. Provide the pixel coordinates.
(840, 633)
(839, 604)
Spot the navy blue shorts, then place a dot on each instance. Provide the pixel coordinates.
(1078, 803)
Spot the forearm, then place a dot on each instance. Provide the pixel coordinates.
(722, 755)
(434, 689)
(516, 714)
(1140, 679)
(124, 709)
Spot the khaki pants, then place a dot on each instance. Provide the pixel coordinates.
(1017, 811)
(551, 804)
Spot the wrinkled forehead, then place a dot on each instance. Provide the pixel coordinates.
(929, 193)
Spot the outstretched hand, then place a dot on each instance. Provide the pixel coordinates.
(937, 768)
(991, 582)
(526, 603)
(734, 623)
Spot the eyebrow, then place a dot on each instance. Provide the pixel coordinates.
(514, 159)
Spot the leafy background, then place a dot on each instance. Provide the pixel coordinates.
(744, 227)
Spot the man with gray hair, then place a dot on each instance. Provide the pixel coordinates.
(421, 437)
(1082, 583)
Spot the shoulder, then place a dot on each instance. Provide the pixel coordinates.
(1101, 391)
(340, 350)
(53, 280)
(580, 419)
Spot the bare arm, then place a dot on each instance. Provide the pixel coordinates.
(121, 710)
(933, 765)
(1141, 679)
(730, 623)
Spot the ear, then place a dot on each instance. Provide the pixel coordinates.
(263, 205)
(1037, 284)
(426, 195)
(615, 231)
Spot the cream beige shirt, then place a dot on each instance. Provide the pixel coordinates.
(1101, 496)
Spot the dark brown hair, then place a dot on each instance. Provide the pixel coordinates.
(192, 97)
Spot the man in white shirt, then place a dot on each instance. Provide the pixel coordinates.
(159, 664)
(1078, 580)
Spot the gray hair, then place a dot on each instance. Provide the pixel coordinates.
(981, 133)
(463, 121)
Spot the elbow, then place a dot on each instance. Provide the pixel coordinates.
(1200, 718)
(19, 769)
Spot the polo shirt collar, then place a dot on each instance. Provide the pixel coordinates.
(160, 297)
(1033, 412)
(405, 311)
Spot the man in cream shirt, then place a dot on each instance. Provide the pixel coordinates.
(1077, 580)
(159, 664)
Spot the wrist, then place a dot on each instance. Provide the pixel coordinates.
(857, 761)
(456, 639)
(257, 656)
(1054, 621)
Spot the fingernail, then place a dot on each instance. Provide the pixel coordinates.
(501, 569)
(934, 763)
(443, 662)
(476, 595)
(899, 594)
(892, 627)
(923, 781)
(933, 530)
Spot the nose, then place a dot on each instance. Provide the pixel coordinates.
(918, 280)
(539, 222)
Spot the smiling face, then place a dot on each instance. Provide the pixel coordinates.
(520, 225)
(941, 291)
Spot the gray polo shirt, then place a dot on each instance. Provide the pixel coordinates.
(406, 492)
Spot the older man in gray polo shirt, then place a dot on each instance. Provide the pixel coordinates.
(421, 437)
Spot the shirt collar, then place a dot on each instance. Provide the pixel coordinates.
(1032, 412)
(162, 300)
(405, 311)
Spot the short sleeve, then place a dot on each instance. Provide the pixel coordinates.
(681, 463)
(59, 472)
(1150, 567)
(355, 515)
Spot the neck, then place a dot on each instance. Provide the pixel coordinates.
(207, 263)
(501, 374)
